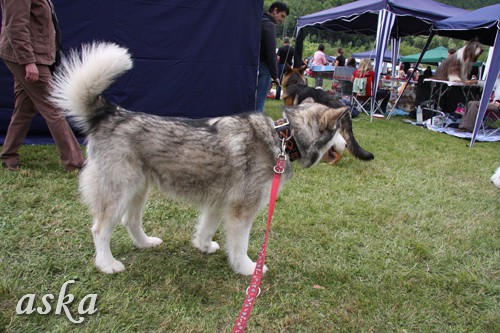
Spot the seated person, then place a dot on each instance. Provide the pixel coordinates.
(423, 92)
(351, 62)
(346, 86)
(469, 119)
(366, 70)
(410, 73)
(451, 99)
(428, 72)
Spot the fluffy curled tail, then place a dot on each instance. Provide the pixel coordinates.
(83, 76)
(352, 145)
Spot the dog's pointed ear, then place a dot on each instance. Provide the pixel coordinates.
(329, 118)
(288, 69)
(303, 68)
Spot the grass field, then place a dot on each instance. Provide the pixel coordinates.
(408, 242)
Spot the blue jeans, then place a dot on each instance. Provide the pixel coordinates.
(263, 85)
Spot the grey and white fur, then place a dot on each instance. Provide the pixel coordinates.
(222, 165)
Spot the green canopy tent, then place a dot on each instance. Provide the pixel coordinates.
(433, 56)
(430, 57)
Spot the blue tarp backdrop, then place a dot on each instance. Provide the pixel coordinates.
(191, 58)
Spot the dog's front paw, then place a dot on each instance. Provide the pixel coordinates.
(207, 248)
(149, 242)
(248, 267)
(110, 267)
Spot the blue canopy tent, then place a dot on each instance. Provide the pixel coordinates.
(484, 24)
(191, 58)
(372, 53)
(383, 18)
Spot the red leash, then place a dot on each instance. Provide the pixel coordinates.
(254, 289)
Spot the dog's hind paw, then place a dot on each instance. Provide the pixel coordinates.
(149, 242)
(210, 248)
(110, 268)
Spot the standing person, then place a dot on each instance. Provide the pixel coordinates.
(319, 59)
(285, 56)
(340, 60)
(29, 40)
(268, 69)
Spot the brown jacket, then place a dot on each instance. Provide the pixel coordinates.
(28, 32)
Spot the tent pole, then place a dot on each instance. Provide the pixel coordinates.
(488, 88)
(385, 23)
(426, 46)
(299, 46)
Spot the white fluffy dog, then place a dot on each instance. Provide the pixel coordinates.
(495, 179)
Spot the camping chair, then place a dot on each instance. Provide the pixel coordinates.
(343, 74)
(360, 100)
(490, 125)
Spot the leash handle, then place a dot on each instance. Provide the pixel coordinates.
(254, 289)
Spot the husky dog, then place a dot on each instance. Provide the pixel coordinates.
(457, 66)
(495, 179)
(297, 92)
(223, 165)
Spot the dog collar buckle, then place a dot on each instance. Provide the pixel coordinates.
(288, 144)
(279, 168)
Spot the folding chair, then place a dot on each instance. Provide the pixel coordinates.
(360, 99)
(343, 74)
(490, 125)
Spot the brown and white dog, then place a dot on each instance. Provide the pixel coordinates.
(457, 66)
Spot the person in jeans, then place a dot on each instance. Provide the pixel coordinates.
(268, 69)
(29, 40)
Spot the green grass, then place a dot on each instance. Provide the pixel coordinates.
(408, 242)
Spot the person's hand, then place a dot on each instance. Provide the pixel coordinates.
(277, 81)
(31, 72)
